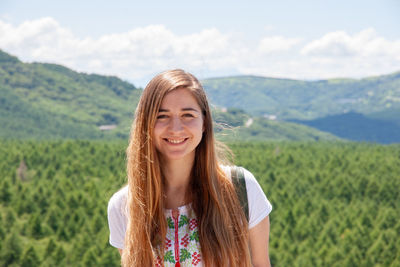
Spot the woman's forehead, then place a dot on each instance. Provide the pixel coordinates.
(181, 98)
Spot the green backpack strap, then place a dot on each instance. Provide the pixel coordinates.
(237, 174)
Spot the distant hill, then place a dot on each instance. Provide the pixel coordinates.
(357, 109)
(42, 101)
(305, 100)
(357, 127)
(390, 115)
(235, 124)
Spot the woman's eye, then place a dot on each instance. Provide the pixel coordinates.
(162, 116)
(188, 115)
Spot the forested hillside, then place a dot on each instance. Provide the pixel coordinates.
(296, 99)
(42, 101)
(334, 204)
(356, 109)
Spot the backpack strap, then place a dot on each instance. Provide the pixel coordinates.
(237, 175)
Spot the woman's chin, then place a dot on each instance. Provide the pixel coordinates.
(178, 156)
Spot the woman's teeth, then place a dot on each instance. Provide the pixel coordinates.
(176, 141)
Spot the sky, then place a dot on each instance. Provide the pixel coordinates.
(135, 40)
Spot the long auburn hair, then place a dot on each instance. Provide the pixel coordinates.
(223, 228)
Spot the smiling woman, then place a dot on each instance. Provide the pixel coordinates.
(179, 127)
(180, 207)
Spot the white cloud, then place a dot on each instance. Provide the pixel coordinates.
(138, 54)
(130, 55)
(276, 43)
(366, 43)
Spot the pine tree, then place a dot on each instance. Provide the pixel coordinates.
(2, 231)
(51, 247)
(5, 192)
(53, 219)
(10, 219)
(59, 255)
(30, 258)
(35, 227)
(11, 253)
(110, 257)
(97, 224)
(63, 234)
(90, 257)
(81, 245)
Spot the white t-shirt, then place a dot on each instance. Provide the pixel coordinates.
(183, 224)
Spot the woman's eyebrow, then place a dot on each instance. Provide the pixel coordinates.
(190, 109)
(184, 109)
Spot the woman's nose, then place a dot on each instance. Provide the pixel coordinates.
(175, 124)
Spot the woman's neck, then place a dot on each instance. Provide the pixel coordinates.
(177, 175)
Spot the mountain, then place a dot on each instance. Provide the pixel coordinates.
(357, 127)
(42, 101)
(235, 124)
(357, 109)
(304, 100)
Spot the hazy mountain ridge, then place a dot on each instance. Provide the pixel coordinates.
(292, 99)
(357, 109)
(235, 124)
(357, 127)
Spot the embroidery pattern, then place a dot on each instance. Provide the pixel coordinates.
(182, 247)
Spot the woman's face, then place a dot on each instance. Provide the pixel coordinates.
(179, 126)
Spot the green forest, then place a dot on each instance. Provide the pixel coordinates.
(334, 203)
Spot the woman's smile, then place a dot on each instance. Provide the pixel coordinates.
(175, 141)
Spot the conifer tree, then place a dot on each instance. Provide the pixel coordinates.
(51, 247)
(11, 252)
(10, 218)
(5, 192)
(90, 258)
(63, 234)
(30, 258)
(59, 255)
(2, 230)
(98, 224)
(110, 257)
(82, 245)
(53, 219)
(35, 226)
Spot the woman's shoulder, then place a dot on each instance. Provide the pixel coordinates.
(259, 205)
(119, 198)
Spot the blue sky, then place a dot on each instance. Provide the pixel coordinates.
(136, 39)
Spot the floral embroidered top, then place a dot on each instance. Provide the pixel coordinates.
(182, 246)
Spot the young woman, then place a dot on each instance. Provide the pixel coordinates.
(180, 207)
